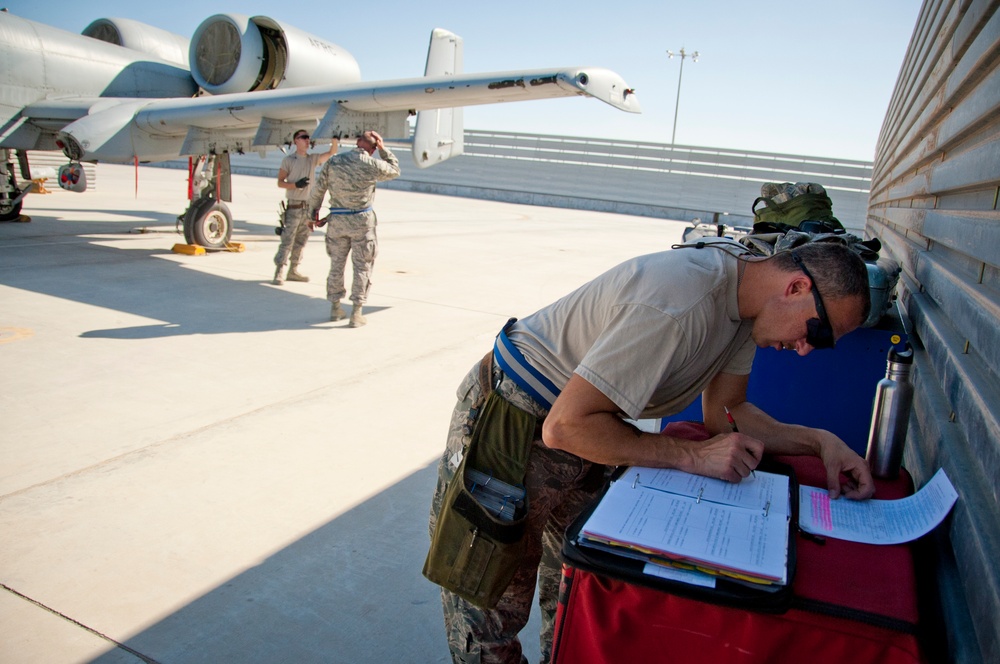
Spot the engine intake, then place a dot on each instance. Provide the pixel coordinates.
(140, 37)
(235, 53)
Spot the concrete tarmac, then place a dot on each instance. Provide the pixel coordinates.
(198, 466)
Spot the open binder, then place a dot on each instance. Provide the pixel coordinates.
(740, 534)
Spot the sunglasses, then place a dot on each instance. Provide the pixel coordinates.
(819, 332)
(305, 136)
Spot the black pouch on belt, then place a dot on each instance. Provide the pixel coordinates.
(475, 553)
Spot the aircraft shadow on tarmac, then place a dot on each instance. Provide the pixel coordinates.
(141, 282)
(350, 591)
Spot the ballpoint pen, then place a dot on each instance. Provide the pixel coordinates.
(732, 423)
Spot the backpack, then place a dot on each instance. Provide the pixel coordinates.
(800, 206)
(795, 214)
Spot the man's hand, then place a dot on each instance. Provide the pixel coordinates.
(839, 459)
(729, 456)
(302, 183)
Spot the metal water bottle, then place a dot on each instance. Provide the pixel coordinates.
(891, 415)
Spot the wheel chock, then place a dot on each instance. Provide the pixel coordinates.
(21, 219)
(189, 249)
(198, 250)
(38, 186)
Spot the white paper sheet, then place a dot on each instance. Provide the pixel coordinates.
(877, 521)
(756, 491)
(739, 528)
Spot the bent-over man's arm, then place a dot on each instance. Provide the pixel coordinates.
(585, 422)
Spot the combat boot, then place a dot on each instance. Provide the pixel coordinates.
(278, 279)
(293, 275)
(336, 312)
(357, 320)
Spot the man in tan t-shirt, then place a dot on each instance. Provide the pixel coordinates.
(643, 340)
(295, 176)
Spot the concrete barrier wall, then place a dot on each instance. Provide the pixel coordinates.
(678, 182)
(46, 164)
(646, 179)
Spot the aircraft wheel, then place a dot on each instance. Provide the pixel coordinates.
(9, 211)
(208, 223)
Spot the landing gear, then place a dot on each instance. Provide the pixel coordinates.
(208, 223)
(10, 196)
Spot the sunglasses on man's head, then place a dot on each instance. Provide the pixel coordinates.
(305, 136)
(819, 332)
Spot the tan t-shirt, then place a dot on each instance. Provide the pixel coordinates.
(297, 168)
(650, 334)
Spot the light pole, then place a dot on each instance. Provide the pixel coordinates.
(694, 58)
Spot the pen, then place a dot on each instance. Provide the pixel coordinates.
(732, 423)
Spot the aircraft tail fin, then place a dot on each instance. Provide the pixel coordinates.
(439, 133)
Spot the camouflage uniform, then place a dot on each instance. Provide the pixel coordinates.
(294, 235)
(295, 232)
(559, 485)
(350, 179)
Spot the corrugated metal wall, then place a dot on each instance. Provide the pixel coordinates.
(933, 203)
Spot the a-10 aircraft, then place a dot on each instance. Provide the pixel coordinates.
(127, 92)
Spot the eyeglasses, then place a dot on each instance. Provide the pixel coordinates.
(304, 136)
(819, 332)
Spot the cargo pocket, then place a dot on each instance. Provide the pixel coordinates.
(370, 251)
(474, 551)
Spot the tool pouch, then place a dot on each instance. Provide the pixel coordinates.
(282, 211)
(473, 553)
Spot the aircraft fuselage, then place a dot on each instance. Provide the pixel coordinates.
(43, 64)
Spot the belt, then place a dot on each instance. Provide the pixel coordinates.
(334, 210)
(527, 377)
(294, 206)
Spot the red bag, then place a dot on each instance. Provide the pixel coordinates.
(849, 602)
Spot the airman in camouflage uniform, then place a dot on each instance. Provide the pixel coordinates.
(350, 179)
(559, 485)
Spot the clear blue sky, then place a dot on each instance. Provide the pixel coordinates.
(808, 77)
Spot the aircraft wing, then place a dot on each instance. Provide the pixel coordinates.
(123, 91)
(157, 129)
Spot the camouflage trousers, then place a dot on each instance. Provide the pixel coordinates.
(294, 236)
(353, 234)
(559, 485)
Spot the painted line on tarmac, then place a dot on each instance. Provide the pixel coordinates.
(9, 334)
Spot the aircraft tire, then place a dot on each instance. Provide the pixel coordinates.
(10, 211)
(208, 223)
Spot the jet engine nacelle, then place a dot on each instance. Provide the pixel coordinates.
(235, 53)
(141, 37)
